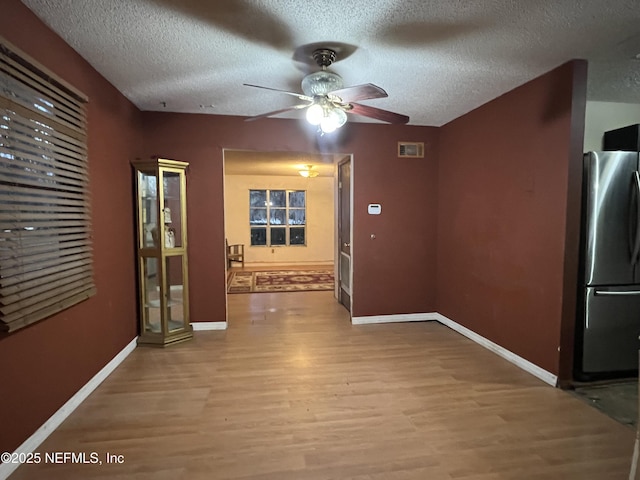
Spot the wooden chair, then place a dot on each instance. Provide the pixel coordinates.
(235, 253)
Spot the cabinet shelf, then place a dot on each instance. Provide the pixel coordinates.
(156, 303)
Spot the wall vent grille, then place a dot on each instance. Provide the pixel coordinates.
(410, 149)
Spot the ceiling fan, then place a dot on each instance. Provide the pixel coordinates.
(327, 101)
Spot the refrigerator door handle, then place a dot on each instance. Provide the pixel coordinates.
(636, 242)
(616, 292)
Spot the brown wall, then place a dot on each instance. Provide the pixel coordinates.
(395, 273)
(45, 364)
(505, 197)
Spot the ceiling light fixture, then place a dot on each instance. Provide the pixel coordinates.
(324, 111)
(308, 172)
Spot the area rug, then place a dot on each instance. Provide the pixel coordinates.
(280, 281)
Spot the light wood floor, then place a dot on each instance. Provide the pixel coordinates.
(293, 391)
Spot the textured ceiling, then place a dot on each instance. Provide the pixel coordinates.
(437, 59)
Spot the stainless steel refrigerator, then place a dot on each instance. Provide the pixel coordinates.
(609, 300)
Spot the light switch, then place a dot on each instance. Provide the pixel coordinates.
(374, 209)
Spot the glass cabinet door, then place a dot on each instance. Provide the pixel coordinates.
(176, 297)
(171, 212)
(173, 303)
(148, 209)
(151, 305)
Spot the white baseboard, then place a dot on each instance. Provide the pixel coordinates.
(520, 362)
(202, 326)
(40, 435)
(402, 317)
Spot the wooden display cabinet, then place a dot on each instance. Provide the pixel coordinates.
(162, 251)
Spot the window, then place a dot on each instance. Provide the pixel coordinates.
(45, 238)
(278, 217)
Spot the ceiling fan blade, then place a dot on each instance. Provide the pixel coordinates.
(275, 112)
(299, 95)
(378, 114)
(359, 92)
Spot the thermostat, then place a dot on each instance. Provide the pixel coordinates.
(374, 209)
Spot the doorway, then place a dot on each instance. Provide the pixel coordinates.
(248, 170)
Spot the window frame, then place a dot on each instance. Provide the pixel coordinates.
(268, 226)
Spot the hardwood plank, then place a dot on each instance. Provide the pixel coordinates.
(293, 391)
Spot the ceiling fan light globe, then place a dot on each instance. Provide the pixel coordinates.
(315, 114)
(321, 83)
(334, 119)
(340, 116)
(328, 124)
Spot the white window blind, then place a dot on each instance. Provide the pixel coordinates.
(46, 260)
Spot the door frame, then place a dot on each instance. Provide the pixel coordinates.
(338, 251)
(338, 158)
